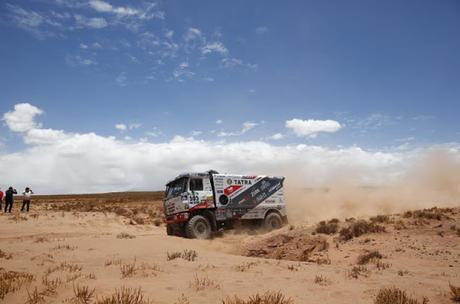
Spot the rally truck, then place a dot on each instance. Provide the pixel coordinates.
(198, 204)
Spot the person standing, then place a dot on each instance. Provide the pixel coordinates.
(9, 199)
(1, 198)
(27, 196)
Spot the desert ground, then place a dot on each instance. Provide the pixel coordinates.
(101, 248)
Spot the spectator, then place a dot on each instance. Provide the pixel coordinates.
(27, 196)
(1, 198)
(9, 198)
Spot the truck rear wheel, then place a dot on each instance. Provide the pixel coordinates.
(273, 221)
(169, 229)
(198, 227)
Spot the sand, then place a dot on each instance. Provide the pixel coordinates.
(421, 259)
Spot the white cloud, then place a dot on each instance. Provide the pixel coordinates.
(261, 30)
(94, 45)
(277, 136)
(182, 72)
(246, 126)
(311, 127)
(58, 162)
(78, 60)
(21, 119)
(219, 121)
(121, 127)
(196, 133)
(146, 12)
(192, 34)
(94, 22)
(214, 47)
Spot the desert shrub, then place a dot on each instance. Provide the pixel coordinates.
(430, 214)
(455, 292)
(125, 295)
(382, 219)
(395, 295)
(458, 231)
(269, 297)
(157, 222)
(368, 256)
(203, 283)
(4, 255)
(173, 255)
(182, 300)
(11, 281)
(358, 228)
(64, 247)
(324, 227)
(125, 235)
(82, 294)
(399, 225)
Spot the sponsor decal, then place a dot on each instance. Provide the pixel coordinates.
(231, 189)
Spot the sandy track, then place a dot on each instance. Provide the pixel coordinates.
(420, 261)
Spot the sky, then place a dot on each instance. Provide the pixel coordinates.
(100, 95)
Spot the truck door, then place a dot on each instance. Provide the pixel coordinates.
(200, 193)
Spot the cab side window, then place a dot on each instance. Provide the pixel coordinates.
(196, 184)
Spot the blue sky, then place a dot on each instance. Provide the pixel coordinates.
(380, 75)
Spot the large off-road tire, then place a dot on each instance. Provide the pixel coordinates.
(273, 221)
(198, 227)
(169, 229)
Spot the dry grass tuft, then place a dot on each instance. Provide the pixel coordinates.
(50, 285)
(125, 235)
(113, 262)
(82, 294)
(203, 283)
(330, 227)
(320, 280)
(128, 269)
(41, 239)
(11, 281)
(182, 300)
(395, 295)
(369, 256)
(188, 255)
(35, 297)
(455, 292)
(125, 295)
(357, 271)
(64, 247)
(269, 297)
(245, 266)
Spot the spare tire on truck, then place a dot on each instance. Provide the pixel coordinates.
(273, 221)
(198, 227)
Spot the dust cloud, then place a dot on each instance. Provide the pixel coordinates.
(431, 179)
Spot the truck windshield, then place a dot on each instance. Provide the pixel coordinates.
(175, 188)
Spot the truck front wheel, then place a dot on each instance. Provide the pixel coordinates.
(273, 221)
(198, 227)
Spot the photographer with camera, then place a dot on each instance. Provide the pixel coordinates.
(27, 196)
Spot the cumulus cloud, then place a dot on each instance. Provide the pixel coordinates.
(311, 127)
(21, 119)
